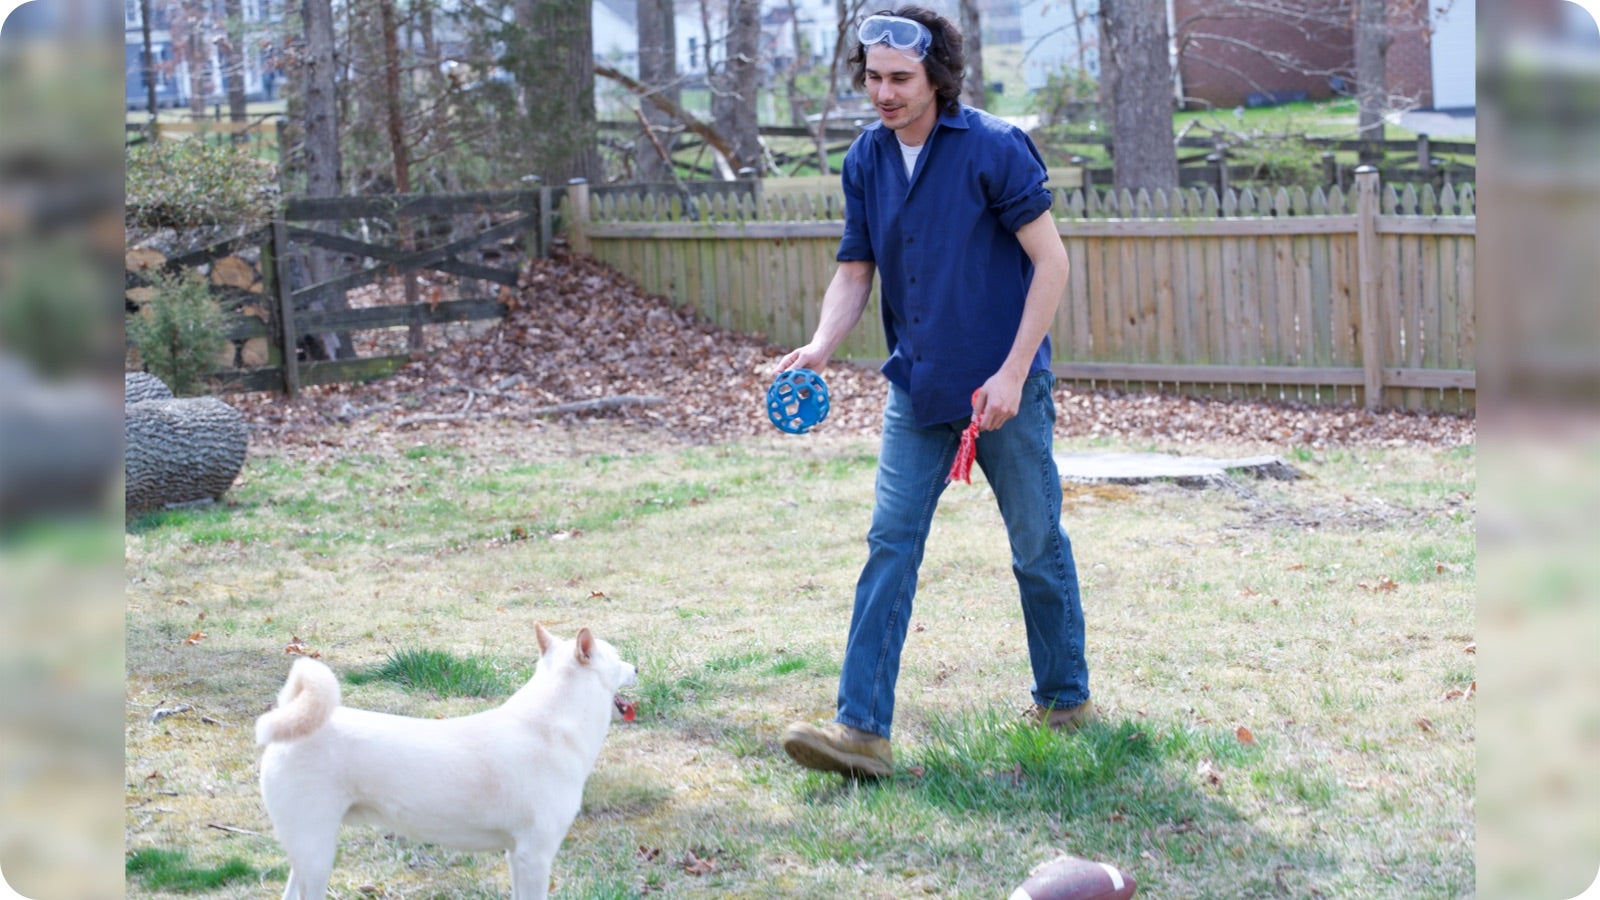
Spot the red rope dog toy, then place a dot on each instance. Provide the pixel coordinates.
(961, 469)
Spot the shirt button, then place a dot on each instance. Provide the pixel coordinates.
(911, 240)
(913, 279)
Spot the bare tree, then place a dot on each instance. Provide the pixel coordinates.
(974, 90)
(233, 64)
(1138, 82)
(800, 50)
(1372, 44)
(319, 124)
(735, 84)
(558, 89)
(319, 96)
(658, 71)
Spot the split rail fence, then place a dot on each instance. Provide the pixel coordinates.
(287, 311)
(1328, 297)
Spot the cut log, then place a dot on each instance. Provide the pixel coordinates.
(138, 387)
(136, 297)
(181, 451)
(142, 258)
(232, 271)
(255, 353)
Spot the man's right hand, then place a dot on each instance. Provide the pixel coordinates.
(807, 357)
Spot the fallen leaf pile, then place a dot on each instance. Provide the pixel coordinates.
(581, 341)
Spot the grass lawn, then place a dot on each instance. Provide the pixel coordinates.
(1285, 671)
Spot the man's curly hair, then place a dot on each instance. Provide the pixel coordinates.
(945, 63)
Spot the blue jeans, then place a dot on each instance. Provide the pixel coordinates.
(913, 463)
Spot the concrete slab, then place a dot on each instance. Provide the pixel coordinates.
(1191, 471)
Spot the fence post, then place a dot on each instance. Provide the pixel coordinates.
(578, 205)
(547, 218)
(283, 155)
(1330, 170)
(1424, 157)
(285, 296)
(1372, 338)
(1220, 161)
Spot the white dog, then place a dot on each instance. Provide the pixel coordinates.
(510, 778)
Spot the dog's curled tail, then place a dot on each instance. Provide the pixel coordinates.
(308, 698)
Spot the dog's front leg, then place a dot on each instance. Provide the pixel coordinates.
(530, 871)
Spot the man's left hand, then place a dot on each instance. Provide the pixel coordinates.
(998, 401)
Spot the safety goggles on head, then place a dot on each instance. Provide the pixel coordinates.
(906, 35)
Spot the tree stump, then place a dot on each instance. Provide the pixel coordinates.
(181, 450)
(138, 387)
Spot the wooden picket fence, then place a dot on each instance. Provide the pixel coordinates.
(1328, 297)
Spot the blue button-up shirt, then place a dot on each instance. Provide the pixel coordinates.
(953, 278)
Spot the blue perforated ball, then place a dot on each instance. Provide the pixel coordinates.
(797, 400)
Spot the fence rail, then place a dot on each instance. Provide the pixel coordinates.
(279, 307)
(1363, 297)
(1327, 297)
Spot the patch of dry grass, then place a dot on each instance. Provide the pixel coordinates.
(1284, 669)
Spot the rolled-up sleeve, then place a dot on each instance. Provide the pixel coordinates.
(1015, 181)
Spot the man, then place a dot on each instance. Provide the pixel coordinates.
(946, 204)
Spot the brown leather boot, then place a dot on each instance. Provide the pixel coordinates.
(1065, 721)
(839, 748)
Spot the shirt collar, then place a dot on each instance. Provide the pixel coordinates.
(957, 119)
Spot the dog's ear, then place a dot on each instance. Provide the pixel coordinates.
(545, 640)
(585, 646)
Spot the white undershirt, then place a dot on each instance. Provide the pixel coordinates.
(909, 154)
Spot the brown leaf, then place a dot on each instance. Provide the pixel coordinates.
(298, 647)
(1425, 724)
(195, 638)
(1244, 736)
(694, 865)
(1208, 773)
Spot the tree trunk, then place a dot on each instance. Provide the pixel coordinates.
(658, 71)
(974, 90)
(394, 105)
(181, 451)
(148, 63)
(557, 79)
(319, 96)
(734, 89)
(317, 80)
(197, 71)
(233, 66)
(1138, 73)
(791, 75)
(1372, 44)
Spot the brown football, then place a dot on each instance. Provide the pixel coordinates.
(1071, 878)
